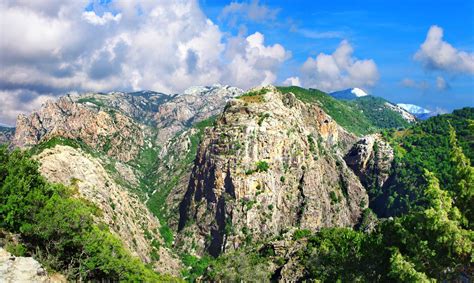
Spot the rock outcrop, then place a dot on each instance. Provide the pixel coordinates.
(112, 132)
(124, 213)
(141, 106)
(194, 105)
(115, 131)
(270, 163)
(371, 159)
(15, 269)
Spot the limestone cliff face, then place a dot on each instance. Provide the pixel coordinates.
(271, 163)
(112, 132)
(124, 213)
(371, 159)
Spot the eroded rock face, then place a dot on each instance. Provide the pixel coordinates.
(124, 213)
(271, 162)
(141, 105)
(112, 132)
(371, 159)
(195, 104)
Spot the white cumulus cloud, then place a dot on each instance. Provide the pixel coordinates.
(93, 18)
(339, 70)
(292, 81)
(50, 48)
(252, 63)
(437, 54)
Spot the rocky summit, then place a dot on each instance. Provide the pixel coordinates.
(220, 184)
(269, 164)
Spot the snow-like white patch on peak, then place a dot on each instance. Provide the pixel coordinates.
(414, 109)
(358, 92)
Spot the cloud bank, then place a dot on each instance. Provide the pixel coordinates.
(339, 70)
(49, 49)
(437, 54)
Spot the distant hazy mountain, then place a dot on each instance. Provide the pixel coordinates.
(350, 93)
(419, 112)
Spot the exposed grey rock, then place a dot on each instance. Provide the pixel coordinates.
(195, 104)
(405, 114)
(307, 184)
(371, 159)
(122, 211)
(21, 269)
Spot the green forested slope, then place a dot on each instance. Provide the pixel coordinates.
(426, 145)
(360, 116)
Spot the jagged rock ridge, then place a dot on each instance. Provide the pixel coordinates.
(271, 163)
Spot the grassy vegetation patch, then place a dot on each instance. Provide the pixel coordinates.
(254, 96)
(54, 141)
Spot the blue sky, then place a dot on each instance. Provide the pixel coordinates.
(389, 32)
(418, 51)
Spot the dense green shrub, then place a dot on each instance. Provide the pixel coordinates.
(262, 166)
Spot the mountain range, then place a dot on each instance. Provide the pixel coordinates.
(221, 184)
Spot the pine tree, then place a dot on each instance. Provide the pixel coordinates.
(463, 176)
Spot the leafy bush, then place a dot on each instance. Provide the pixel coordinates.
(196, 267)
(253, 96)
(334, 198)
(262, 166)
(16, 249)
(301, 233)
(239, 266)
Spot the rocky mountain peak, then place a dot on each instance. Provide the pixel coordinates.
(270, 163)
(194, 105)
(112, 132)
